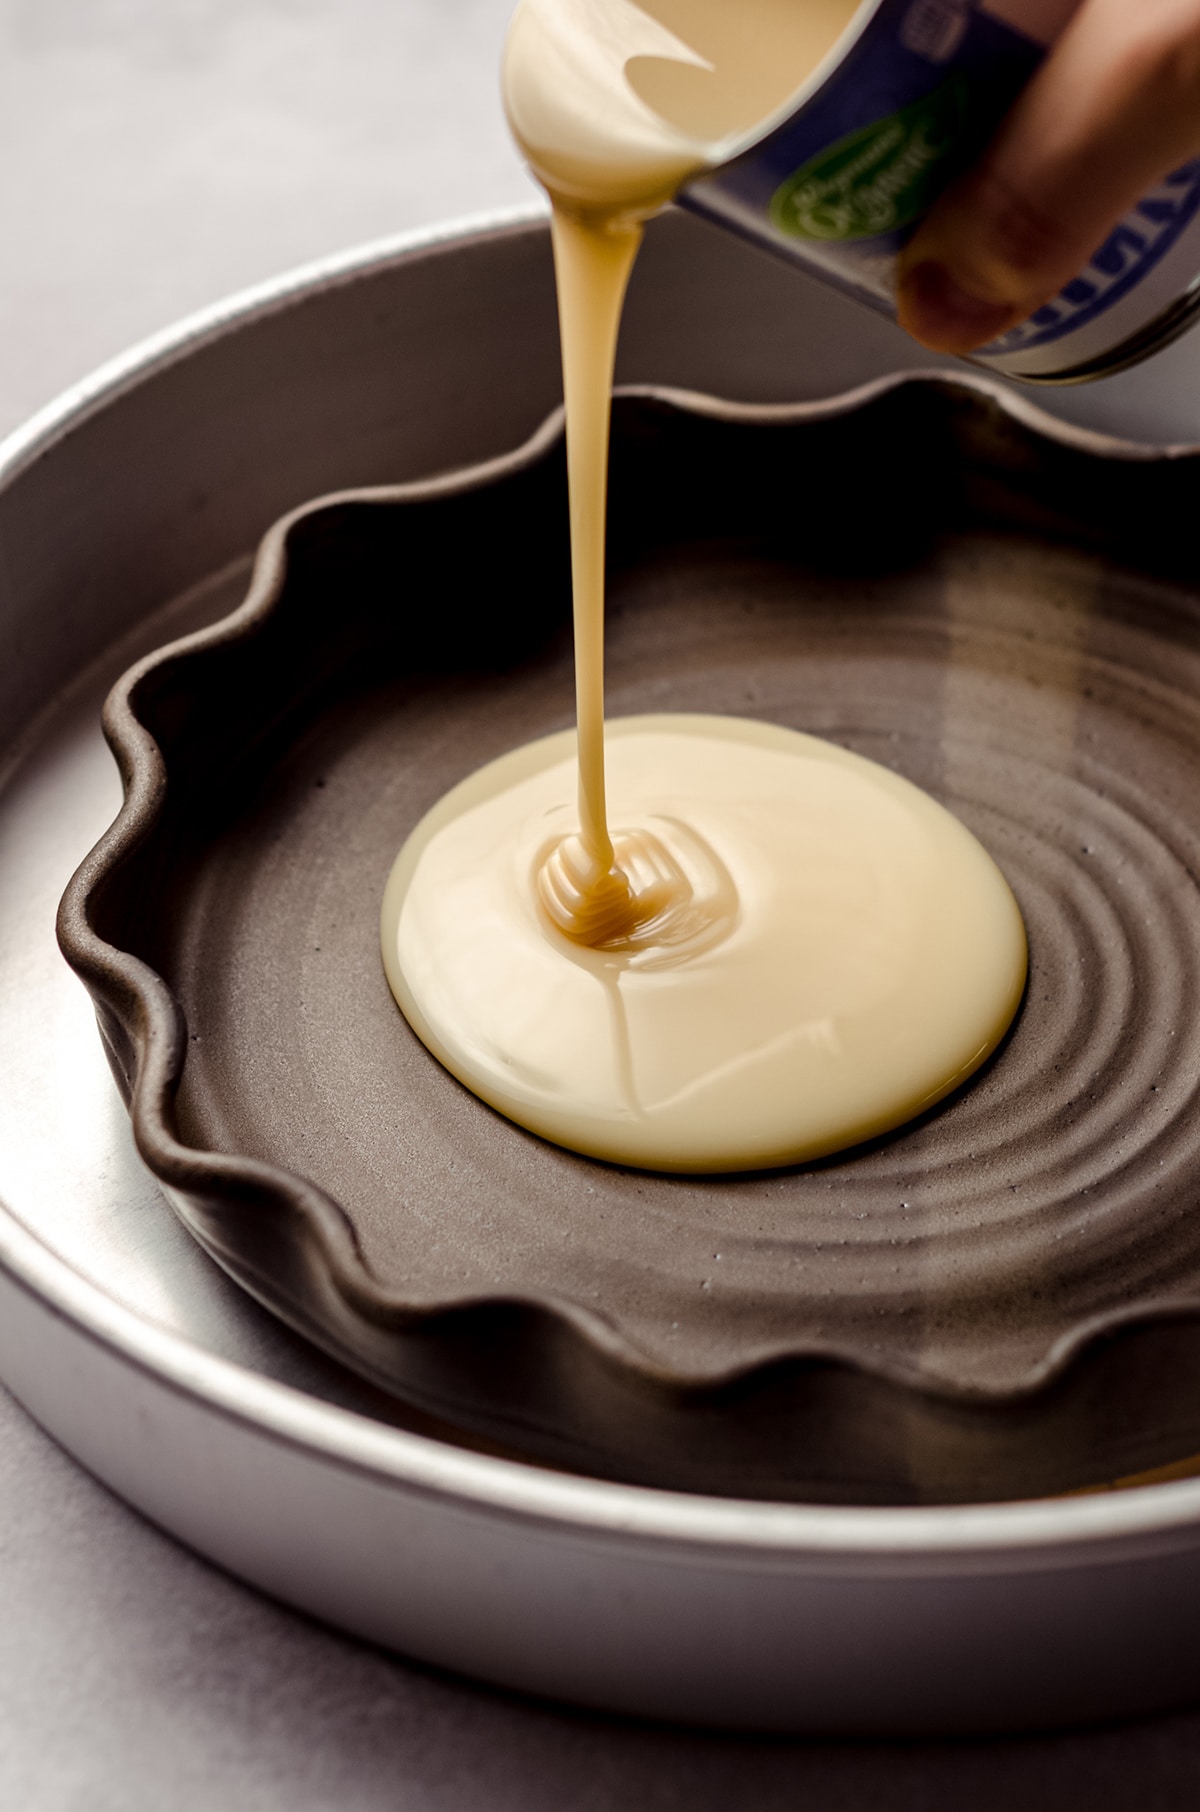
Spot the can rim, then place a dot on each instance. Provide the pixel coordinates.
(1162, 331)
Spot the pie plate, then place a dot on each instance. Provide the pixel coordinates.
(1000, 1301)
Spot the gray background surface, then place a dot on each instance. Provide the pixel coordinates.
(156, 154)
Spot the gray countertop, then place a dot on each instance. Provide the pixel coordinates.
(157, 154)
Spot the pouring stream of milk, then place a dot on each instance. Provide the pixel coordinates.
(614, 108)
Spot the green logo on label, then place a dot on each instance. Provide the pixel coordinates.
(879, 178)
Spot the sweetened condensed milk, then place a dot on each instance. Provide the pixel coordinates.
(701, 943)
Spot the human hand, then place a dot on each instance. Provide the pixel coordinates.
(1115, 106)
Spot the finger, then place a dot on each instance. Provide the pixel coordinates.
(1115, 106)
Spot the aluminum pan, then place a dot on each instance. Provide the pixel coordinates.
(752, 1615)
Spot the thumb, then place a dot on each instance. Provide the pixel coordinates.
(1114, 107)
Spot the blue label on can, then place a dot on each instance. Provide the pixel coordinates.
(841, 184)
(1131, 250)
(916, 96)
(881, 178)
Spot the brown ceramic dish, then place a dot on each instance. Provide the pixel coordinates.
(1001, 1300)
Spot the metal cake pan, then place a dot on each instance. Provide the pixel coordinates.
(126, 515)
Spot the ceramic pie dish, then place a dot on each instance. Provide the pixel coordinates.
(1001, 1300)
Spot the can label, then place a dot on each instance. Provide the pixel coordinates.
(879, 179)
(841, 184)
(1132, 250)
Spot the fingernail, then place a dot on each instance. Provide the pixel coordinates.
(936, 311)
